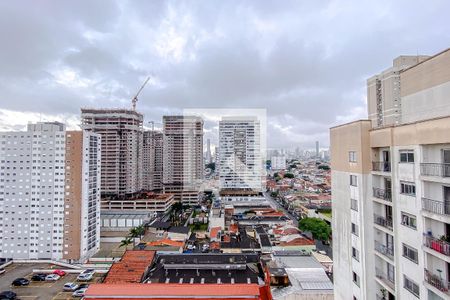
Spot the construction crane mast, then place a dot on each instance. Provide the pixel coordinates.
(135, 98)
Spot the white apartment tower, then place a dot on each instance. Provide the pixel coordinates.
(240, 163)
(38, 173)
(278, 162)
(152, 160)
(121, 133)
(183, 157)
(391, 191)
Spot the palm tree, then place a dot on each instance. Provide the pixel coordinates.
(140, 230)
(125, 242)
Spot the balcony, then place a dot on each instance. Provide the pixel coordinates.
(434, 206)
(388, 280)
(382, 221)
(382, 194)
(383, 249)
(381, 166)
(435, 169)
(437, 245)
(436, 281)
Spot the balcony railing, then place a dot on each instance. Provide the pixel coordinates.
(383, 249)
(434, 206)
(437, 281)
(437, 245)
(382, 221)
(435, 169)
(382, 194)
(381, 166)
(389, 280)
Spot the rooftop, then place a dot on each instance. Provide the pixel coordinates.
(175, 291)
(130, 268)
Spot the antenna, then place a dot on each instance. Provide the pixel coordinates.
(135, 98)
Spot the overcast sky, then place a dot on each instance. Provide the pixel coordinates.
(306, 62)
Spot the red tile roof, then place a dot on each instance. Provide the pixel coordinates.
(214, 231)
(166, 242)
(130, 268)
(176, 291)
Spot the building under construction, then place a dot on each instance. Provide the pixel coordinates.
(121, 133)
(152, 160)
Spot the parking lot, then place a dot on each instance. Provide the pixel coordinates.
(37, 290)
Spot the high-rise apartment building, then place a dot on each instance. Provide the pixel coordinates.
(82, 195)
(121, 133)
(240, 163)
(208, 156)
(391, 193)
(49, 201)
(183, 157)
(278, 163)
(152, 160)
(384, 92)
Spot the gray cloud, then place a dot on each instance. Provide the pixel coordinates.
(306, 62)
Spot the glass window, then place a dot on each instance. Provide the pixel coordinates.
(407, 188)
(352, 156)
(406, 156)
(410, 253)
(409, 220)
(353, 180)
(411, 286)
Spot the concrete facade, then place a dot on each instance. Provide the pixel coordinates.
(121, 132)
(401, 208)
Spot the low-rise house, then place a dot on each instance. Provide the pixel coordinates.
(178, 233)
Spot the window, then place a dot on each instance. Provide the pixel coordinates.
(407, 188)
(410, 253)
(354, 204)
(353, 180)
(356, 278)
(411, 286)
(409, 220)
(355, 229)
(352, 156)
(406, 156)
(355, 253)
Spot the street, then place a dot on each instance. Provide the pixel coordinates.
(277, 205)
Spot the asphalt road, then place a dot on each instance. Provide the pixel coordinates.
(319, 245)
(278, 206)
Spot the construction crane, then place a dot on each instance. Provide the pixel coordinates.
(135, 98)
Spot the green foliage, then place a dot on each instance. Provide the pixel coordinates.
(125, 242)
(289, 175)
(324, 167)
(318, 227)
(274, 194)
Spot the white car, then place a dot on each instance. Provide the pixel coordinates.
(70, 286)
(52, 277)
(79, 293)
(85, 276)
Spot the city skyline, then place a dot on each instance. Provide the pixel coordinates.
(55, 64)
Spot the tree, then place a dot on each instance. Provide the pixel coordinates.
(211, 165)
(125, 242)
(324, 167)
(318, 227)
(289, 175)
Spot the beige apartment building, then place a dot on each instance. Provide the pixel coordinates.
(183, 157)
(391, 188)
(152, 161)
(121, 132)
(82, 195)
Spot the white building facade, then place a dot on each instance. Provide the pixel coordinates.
(240, 163)
(391, 193)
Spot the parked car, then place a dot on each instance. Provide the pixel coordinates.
(59, 272)
(52, 277)
(70, 286)
(88, 271)
(2, 271)
(85, 277)
(79, 293)
(83, 286)
(38, 277)
(8, 295)
(20, 282)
